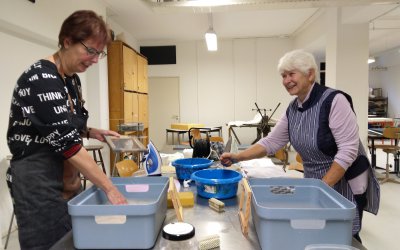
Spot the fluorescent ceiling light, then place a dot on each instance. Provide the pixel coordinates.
(371, 60)
(211, 37)
(208, 3)
(211, 40)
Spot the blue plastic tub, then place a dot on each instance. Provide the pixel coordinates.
(216, 183)
(99, 225)
(306, 211)
(184, 168)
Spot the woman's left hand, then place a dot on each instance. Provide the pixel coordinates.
(99, 134)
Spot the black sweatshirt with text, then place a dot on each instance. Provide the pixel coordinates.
(40, 115)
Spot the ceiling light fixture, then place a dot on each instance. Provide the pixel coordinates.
(211, 37)
(208, 3)
(371, 60)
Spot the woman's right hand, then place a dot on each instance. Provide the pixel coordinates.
(115, 197)
(228, 159)
(88, 167)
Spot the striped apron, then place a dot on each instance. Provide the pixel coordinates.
(303, 126)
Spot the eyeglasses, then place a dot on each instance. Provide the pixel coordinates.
(93, 52)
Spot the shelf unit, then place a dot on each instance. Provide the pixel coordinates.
(378, 106)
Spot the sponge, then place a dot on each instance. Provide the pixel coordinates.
(186, 198)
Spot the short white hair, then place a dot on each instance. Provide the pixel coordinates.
(298, 60)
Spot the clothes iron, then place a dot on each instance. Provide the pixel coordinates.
(152, 160)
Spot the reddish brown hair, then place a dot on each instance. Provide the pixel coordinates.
(82, 25)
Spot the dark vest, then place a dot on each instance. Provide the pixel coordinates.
(325, 140)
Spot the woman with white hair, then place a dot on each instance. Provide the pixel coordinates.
(321, 125)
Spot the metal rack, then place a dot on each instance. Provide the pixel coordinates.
(124, 144)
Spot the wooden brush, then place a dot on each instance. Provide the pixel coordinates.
(209, 242)
(216, 205)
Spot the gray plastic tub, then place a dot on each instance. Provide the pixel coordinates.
(98, 225)
(293, 213)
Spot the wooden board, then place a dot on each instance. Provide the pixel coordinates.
(175, 199)
(244, 206)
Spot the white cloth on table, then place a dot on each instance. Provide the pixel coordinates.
(167, 159)
(256, 120)
(261, 168)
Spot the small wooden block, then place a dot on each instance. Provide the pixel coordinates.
(216, 205)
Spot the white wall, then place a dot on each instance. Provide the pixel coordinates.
(218, 87)
(352, 72)
(346, 55)
(122, 33)
(375, 77)
(27, 37)
(243, 71)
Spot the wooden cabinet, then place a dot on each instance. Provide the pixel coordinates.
(127, 88)
(130, 68)
(127, 84)
(143, 100)
(136, 108)
(131, 107)
(142, 84)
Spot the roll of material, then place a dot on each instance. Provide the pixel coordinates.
(209, 242)
(188, 152)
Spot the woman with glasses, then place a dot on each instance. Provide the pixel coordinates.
(46, 125)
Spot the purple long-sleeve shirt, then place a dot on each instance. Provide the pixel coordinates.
(343, 124)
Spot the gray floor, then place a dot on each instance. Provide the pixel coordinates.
(379, 232)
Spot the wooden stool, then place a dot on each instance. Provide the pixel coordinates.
(210, 130)
(9, 230)
(179, 132)
(391, 133)
(98, 158)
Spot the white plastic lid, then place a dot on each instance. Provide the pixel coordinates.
(178, 231)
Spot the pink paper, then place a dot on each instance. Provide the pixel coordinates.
(137, 188)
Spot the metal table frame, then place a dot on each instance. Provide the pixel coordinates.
(260, 133)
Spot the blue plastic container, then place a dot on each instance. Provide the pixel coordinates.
(99, 225)
(306, 211)
(184, 168)
(216, 183)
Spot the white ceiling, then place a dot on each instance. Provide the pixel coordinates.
(152, 20)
